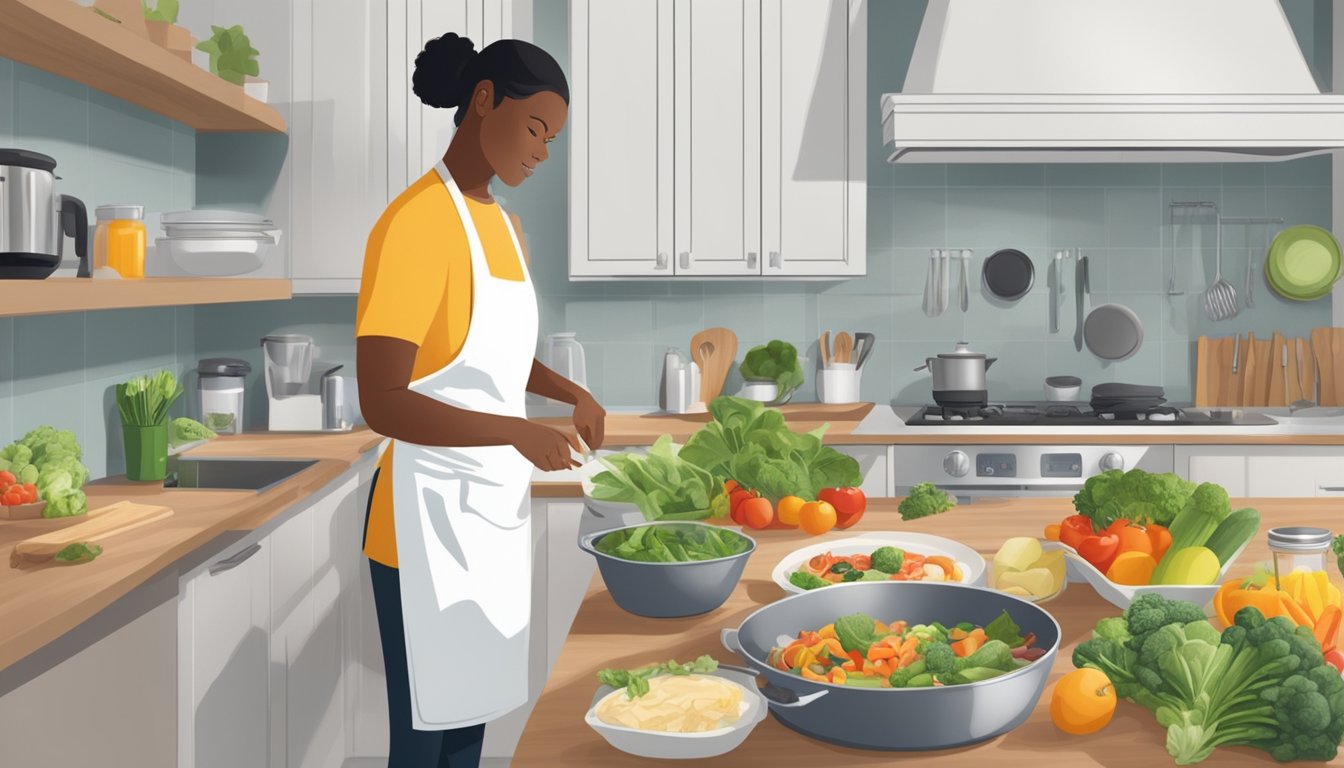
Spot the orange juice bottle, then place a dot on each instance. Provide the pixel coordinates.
(119, 239)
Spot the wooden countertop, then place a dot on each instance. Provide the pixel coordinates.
(605, 636)
(624, 429)
(37, 605)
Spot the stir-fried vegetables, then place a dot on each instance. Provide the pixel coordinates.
(884, 564)
(861, 651)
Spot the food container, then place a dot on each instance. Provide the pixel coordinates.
(119, 239)
(216, 257)
(1063, 389)
(970, 562)
(221, 381)
(684, 746)
(1298, 549)
(668, 590)
(900, 718)
(839, 384)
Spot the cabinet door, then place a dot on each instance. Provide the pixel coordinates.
(365, 682)
(717, 137)
(1294, 475)
(569, 572)
(224, 620)
(620, 138)
(813, 136)
(1228, 471)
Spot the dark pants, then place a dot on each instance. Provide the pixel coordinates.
(409, 748)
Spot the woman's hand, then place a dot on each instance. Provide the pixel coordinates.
(550, 450)
(590, 421)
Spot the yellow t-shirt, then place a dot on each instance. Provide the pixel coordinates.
(417, 286)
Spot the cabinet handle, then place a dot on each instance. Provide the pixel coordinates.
(1331, 488)
(751, 260)
(230, 563)
(662, 261)
(775, 261)
(685, 259)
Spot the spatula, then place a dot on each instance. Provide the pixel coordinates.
(863, 346)
(714, 351)
(844, 347)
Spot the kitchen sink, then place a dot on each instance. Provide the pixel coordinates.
(239, 474)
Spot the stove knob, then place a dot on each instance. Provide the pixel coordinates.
(1112, 461)
(957, 464)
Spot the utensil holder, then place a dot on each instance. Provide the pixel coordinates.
(839, 384)
(146, 451)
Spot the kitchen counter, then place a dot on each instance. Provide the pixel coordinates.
(39, 604)
(603, 635)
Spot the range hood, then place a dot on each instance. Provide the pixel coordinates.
(1108, 81)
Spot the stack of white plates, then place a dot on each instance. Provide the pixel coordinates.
(217, 243)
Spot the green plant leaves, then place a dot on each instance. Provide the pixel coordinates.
(232, 56)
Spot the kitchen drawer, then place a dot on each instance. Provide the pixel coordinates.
(1291, 475)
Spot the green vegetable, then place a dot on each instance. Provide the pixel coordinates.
(1260, 683)
(1338, 547)
(79, 553)
(163, 10)
(888, 559)
(994, 654)
(662, 483)
(841, 567)
(974, 675)
(853, 574)
(232, 56)
(1143, 497)
(925, 499)
(920, 681)
(935, 633)
(1233, 533)
(219, 421)
(776, 362)
(636, 681)
(50, 459)
(939, 658)
(184, 430)
(856, 632)
(144, 401)
(1004, 630)
(752, 445)
(805, 580)
(671, 543)
(874, 575)
(1206, 508)
(901, 677)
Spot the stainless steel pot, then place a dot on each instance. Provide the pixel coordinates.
(899, 718)
(34, 219)
(959, 376)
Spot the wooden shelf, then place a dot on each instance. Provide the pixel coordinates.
(72, 41)
(73, 294)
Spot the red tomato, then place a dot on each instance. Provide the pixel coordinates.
(756, 512)
(29, 493)
(849, 504)
(1335, 659)
(735, 500)
(11, 498)
(1100, 550)
(1074, 529)
(6, 479)
(730, 485)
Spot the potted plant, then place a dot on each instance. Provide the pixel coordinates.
(161, 23)
(772, 372)
(233, 58)
(144, 402)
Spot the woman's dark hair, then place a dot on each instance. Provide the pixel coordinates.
(449, 68)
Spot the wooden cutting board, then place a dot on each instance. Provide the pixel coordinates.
(1236, 379)
(795, 412)
(1204, 389)
(1215, 383)
(1337, 358)
(1321, 346)
(714, 350)
(1277, 395)
(103, 523)
(1259, 367)
(1306, 363)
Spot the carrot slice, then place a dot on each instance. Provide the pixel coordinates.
(879, 652)
(1295, 610)
(1327, 627)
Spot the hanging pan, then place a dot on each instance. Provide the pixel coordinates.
(1009, 274)
(1113, 332)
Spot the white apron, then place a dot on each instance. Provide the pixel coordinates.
(463, 525)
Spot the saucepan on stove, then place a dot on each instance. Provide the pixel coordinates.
(959, 376)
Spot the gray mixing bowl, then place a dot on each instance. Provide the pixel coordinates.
(900, 718)
(669, 590)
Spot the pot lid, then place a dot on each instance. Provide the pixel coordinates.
(962, 352)
(223, 366)
(26, 158)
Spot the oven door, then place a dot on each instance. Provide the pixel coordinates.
(1009, 471)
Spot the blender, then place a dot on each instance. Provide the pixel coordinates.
(298, 385)
(220, 381)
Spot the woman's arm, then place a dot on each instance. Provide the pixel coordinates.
(548, 383)
(390, 408)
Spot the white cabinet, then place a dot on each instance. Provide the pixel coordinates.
(718, 138)
(1252, 470)
(224, 621)
(358, 135)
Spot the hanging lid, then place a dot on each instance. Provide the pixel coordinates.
(962, 352)
(26, 158)
(223, 366)
(1299, 539)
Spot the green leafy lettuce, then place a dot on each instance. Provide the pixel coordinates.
(636, 681)
(662, 483)
(776, 362)
(80, 552)
(50, 458)
(672, 543)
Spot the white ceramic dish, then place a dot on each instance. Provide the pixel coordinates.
(761, 391)
(684, 746)
(214, 216)
(181, 232)
(214, 258)
(970, 562)
(1121, 595)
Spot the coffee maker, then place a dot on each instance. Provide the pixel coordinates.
(304, 393)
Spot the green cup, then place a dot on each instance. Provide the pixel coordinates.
(146, 451)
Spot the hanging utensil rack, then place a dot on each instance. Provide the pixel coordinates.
(1219, 221)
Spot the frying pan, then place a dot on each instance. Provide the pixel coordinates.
(1009, 274)
(1113, 332)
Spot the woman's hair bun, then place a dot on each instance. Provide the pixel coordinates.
(439, 69)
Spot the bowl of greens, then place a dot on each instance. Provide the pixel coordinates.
(669, 569)
(775, 363)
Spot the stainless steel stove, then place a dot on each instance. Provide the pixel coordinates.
(1047, 414)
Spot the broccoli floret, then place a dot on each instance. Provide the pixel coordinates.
(1150, 612)
(939, 657)
(1308, 727)
(888, 559)
(925, 499)
(994, 654)
(805, 580)
(1211, 499)
(1134, 495)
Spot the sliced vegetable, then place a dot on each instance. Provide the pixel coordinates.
(1233, 533)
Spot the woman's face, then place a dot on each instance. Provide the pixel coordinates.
(515, 134)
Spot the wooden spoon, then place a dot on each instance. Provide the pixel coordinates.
(825, 344)
(713, 350)
(844, 347)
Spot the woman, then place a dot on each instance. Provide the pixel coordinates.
(446, 329)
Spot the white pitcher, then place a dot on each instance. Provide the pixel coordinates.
(564, 355)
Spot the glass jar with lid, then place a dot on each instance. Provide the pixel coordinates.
(1298, 549)
(119, 239)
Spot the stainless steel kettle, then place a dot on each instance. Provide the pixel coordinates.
(959, 376)
(34, 219)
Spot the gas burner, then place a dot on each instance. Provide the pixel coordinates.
(1053, 414)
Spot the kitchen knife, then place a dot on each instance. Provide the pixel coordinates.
(863, 345)
(965, 267)
(1236, 351)
(1080, 281)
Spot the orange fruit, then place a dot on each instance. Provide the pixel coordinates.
(1134, 539)
(816, 517)
(1052, 532)
(787, 512)
(756, 512)
(1083, 701)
